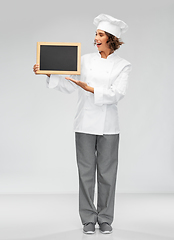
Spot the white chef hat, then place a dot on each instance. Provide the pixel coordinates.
(110, 24)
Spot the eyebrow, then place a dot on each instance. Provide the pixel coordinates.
(100, 32)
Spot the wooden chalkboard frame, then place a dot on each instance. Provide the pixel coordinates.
(58, 71)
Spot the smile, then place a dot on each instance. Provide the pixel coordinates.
(98, 44)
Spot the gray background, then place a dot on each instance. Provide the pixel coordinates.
(36, 131)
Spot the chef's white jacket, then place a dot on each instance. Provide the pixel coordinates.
(97, 113)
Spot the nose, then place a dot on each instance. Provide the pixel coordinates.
(96, 38)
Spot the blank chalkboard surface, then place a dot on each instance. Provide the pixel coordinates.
(58, 58)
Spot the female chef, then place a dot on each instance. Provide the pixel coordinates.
(102, 83)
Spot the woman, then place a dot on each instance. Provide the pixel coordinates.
(100, 86)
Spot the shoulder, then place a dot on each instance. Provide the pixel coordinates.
(121, 60)
(125, 62)
(122, 63)
(88, 56)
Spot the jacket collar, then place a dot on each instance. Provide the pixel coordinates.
(111, 56)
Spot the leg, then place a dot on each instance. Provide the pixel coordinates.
(86, 162)
(107, 161)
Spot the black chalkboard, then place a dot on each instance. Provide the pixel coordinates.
(58, 58)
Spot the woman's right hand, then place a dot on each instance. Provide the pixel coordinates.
(36, 68)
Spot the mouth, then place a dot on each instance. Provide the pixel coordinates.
(98, 44)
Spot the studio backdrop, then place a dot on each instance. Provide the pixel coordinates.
(36, 131)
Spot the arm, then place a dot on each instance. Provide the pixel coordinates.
(117, 90)
(103, 95)
(57, 82)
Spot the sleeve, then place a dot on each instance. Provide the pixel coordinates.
(117, 90)
(61, 84)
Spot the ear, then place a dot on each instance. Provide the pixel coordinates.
(107, 40)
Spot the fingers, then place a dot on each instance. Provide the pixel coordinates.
(35, 68)
(71, 79)
(77, 82)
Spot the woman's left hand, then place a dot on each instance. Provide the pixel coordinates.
(81, 84)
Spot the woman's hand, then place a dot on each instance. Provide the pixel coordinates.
(81, 84)
(36, 68)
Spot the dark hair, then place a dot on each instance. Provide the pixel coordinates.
(113, 42)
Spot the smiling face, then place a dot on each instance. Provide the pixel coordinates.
(101, 41)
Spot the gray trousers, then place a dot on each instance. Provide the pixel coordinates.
(97, 152)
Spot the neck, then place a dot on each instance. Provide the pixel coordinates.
(105, 54)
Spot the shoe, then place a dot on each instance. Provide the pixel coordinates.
(89, 228)
(105, 228)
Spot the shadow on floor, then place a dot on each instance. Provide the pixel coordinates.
(117, 234)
